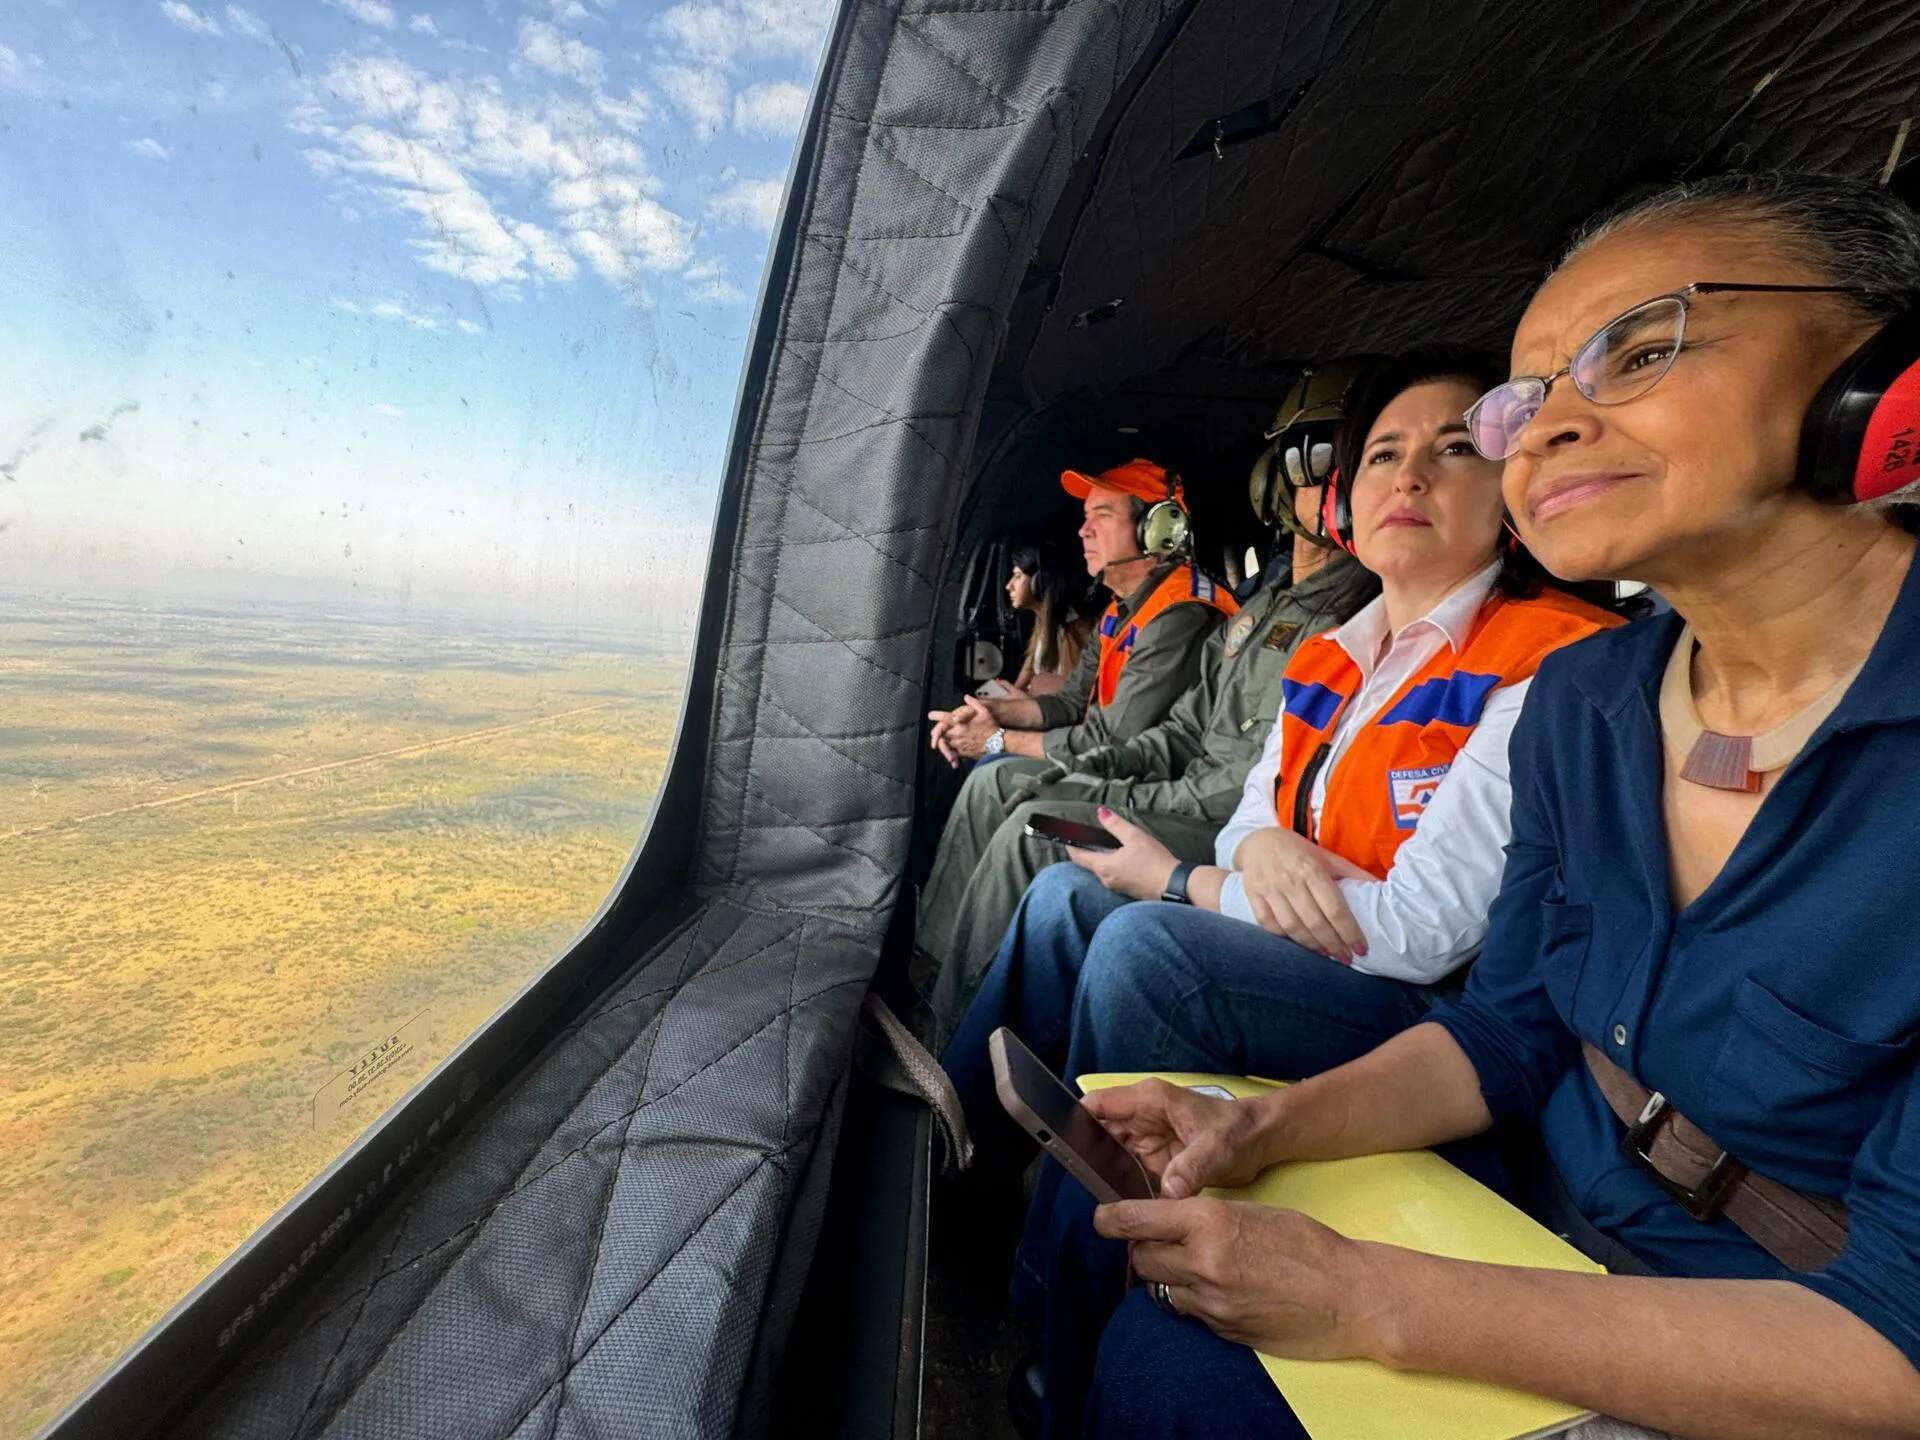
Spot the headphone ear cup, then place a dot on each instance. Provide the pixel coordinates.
(1336, 515)
(1261, 485)
(1163, 529)
(1861, 437)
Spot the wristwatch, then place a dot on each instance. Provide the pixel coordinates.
(996, 743)
(1176, 891)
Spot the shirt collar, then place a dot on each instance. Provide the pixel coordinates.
(1125, 605)
(1362, 636)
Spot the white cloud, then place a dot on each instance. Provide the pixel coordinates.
(708, 279)
(195, 22)
(397, 310)
(700, 94)
(628, 114)
(471, 327)
(150, 148)
(750, 203)
(424, 147)
(549, 48)
(381, 407)
(722, 32)
(245, 22)
(422, 25)
(367, 12)
(773, 109)
(623, 236)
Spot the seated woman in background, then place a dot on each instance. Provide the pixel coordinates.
(1707, 897)
(1357, 871)
(1041, 585)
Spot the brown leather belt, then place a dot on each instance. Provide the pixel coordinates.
(1801, 1231)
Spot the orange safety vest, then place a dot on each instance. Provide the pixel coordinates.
(1183, 585)
(1393, 766)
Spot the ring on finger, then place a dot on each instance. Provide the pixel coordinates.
(1161, 1296)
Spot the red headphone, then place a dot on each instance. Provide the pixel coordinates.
(1861, 439)
(1336, 513)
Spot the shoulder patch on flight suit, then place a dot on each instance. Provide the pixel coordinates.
(1238, 633)
(1281, 636)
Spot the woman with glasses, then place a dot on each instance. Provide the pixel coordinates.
(1701, 985)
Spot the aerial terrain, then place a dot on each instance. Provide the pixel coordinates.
(262, 866)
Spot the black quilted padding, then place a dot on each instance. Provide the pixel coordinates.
(615, 1248)
(1438, 158)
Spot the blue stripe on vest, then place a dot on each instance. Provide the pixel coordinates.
(1126, 640)
(1455, 699)
(1313, 704)
(1107, 624)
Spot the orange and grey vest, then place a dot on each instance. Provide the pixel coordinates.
(1183, 585)
(1394, 764)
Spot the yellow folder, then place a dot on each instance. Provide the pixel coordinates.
(1416, 1200)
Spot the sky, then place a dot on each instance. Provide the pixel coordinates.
(444, 303)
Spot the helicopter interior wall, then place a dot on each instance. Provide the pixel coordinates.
(616, 1246)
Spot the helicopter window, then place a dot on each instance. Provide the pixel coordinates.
(368, 374)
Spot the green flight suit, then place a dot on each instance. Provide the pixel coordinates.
(1179, 780)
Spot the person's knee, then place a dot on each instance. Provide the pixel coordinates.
(1061, 889)
(1134, 1391)
(1139, 953)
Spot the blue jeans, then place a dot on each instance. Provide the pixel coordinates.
(1168, 1377)
(1166, 987)
(1030, 989)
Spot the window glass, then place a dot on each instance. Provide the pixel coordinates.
(366, 373)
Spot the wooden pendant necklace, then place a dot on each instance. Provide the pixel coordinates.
(1733, 762)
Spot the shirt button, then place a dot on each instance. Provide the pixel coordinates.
(1619, 1034)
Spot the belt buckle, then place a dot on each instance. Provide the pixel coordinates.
(1703, 1201)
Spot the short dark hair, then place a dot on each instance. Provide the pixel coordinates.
(1520, 574)
(1850, 231)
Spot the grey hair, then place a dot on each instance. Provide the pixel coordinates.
(1852, 232)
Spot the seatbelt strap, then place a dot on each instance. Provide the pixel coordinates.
(908, 1068)
(1803, 1232)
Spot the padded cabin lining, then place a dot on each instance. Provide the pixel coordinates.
(616, 1246)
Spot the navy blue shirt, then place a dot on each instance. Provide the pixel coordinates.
(1780, 1011)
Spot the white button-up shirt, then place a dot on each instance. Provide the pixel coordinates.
(1430, 913)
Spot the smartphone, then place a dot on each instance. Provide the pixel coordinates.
(1041, 1104)
(1072, 832)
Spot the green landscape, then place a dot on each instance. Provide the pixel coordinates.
(239, 848)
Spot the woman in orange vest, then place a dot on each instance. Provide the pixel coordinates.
(1357, 873)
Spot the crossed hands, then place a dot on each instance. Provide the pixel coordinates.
(1291, 887)
(1269, 1278)
(962, 734)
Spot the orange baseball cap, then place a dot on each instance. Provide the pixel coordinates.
(1142, 479)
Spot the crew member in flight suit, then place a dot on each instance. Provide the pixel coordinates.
(1181, 778)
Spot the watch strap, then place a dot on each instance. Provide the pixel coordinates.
(1176, 891)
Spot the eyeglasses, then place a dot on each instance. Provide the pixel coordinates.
(1626, 357)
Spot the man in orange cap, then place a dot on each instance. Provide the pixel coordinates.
(1153, 645)
(1150, 641)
